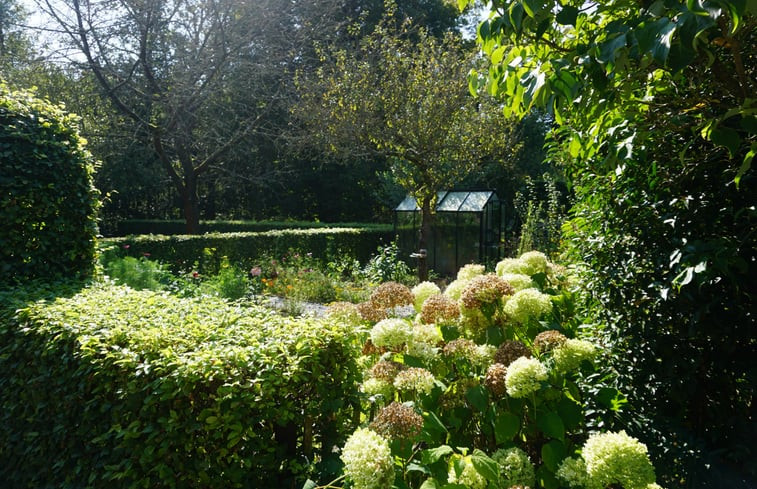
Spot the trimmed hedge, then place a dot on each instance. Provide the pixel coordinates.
(120, 388)
(171, 227)
(181, 252)
(48, 203)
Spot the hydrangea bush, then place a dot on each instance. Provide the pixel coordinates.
(487, 388)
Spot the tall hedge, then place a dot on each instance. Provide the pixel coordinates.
(115, 388)
(47, 200)
(181, 252)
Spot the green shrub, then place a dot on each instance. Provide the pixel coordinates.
(116, 387)
(386, 266)
(230, 282)
(243, 250)
(46, 195)
(158, 226)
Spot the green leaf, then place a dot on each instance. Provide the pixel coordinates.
(567, 16)
(654, 38)
(506, 427)
(430, 484)
(571, 413)
(725, 136)
(485, 465)
(478, 397)
(552, 454)
(745, 165)
(309, 484)
(433, 455)
(551, 424)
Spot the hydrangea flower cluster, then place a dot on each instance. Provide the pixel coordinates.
(439, 308)
(524, 377)
(455, 289)
(415, 379)
(391, 332)
(397, 422)
(536, 262)
(391, 294)
(423, 291)
(548, 340)
(370, 312)
(509, 351)
(467, 272)
(511, 265)
(616, 458)
(518, 281)
(368, 461)
(527, 304)
(484, 289)
(515, 467)
(423, 342)
(571, 353)
(495, 379)
(385, 370)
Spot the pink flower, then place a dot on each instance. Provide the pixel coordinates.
(256, 272)
(195, 275)
(145, 254)
(126, 247)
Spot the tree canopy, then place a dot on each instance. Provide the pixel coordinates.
(657, 132)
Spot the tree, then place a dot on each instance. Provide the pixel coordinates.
(176, 70)
(657, 132)
(401, 95)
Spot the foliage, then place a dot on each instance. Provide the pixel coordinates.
(169, 227)
(541, 216)
(492, 396)
(399, 96)
(386, 265)
(142, 389)
(203, 253)
(48, 202)
(138, 273)
(657, 135)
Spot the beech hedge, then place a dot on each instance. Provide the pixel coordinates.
(47, 198)
(112, 387)
(162, 226)
(182, 252)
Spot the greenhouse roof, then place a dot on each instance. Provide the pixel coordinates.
(464, 201)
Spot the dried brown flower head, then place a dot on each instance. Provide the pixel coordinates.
(385, 370)
(509, 351)
(495, 379)
(485, 289)
(370, 312)
(392, 294)
(439, 308)
(397, 421)
(460, 347)
(548, 341)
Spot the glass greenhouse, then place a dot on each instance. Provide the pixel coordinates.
(467, 228)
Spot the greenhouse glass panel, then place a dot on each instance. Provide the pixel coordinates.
(451, 202)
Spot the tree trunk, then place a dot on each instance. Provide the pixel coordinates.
(423, 237)
(191, 203)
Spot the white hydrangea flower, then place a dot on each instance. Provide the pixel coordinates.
(423, 291)
(374, 387)
(569, 355)
(536, 262)
(515, 467)
(455, 289)
(616, 458)
(519, 281)
(524, 376)
(573, 472)
(469, 271)
(527, 304)
(415, 379)
(368, 461)
(391, 332)
(483, 355)
(511, 265)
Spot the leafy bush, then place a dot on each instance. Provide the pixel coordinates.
(386, 266)
(486, 389)
(141, 389)
(47, 198)
(158, 226)
(181, 253)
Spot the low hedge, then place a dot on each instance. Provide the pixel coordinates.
(182, 252)
(171, 227)
(132, 389)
